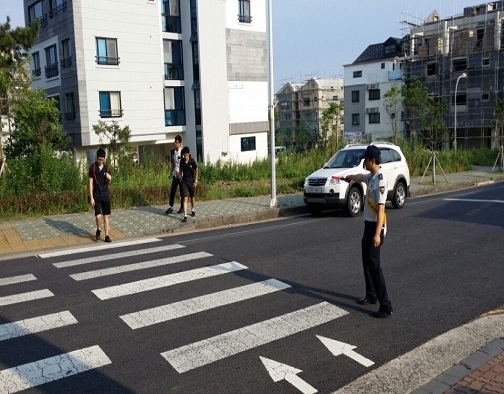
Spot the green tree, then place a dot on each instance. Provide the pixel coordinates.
(37, 126)
(415, 97)
(330, 123)
(432, 122)
(117, 141)
(15, 76)
(392, 103)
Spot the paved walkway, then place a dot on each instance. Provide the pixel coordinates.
(483, 372)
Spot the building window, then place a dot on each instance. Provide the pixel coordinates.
(374, 94)
(355, 119)
(36, 72)
(248, 144)
(173, 67)
(174, 106)
(66, 54)
(110, 105)
(485, 62)
(51, 68)
(69, 106)
(306, 102)
(56, 7)
(459, 64)
(357, 74)
(485, 96)
(383, 66)
(461, 99)
(35, 11)
(355, 96)
(197, 106)
(106, 51)
(244, 15)
(374, 118)
(171, 16)
(432, 68)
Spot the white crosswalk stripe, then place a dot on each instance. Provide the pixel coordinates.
(198, 354)
(23, 297)
(50, 369)
(166, 280)
(16, 279)
(36, 324)
(138, 266)
(95, 259)
(98, 247)
(164, 313)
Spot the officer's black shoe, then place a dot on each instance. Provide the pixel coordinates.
(169, 210)
(365, 301)
(381, 314)
(181, 210)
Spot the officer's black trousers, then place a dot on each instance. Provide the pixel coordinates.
(175, 184)
(373, 274)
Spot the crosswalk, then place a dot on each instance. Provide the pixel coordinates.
(106, 264)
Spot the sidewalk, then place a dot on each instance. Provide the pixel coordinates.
(482, 372)
(34, 234)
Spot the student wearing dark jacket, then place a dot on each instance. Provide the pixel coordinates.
(189, 174)
(99, 197)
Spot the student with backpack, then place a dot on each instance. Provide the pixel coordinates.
(189, 174)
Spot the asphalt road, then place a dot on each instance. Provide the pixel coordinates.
(442, 259)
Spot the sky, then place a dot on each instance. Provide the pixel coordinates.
(315, 38)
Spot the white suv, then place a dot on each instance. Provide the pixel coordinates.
(325, 188)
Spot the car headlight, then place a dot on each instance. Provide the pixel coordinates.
(305, 182)
(335, 180)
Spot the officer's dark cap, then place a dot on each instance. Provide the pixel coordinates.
(372, 152)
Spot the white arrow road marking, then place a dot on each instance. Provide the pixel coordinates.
(279, 371)
(97, 247)
(166, 280)
(23, 297)
(16, 279)
(207, 351)
(337, 348)
(50, 369)
(194, 305)
(36, 324)
(138, 266)
(113, 256)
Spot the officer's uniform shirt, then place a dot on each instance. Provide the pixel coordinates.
(377, 189)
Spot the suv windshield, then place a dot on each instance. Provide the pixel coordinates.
(346, 158)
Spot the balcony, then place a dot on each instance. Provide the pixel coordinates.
(70, 115)
(175, 117)
(51, 70)
(37, 72)
(111, 113)
(66, 62)
(171, 24)
(107, 60)
(244, 18)
(57, 10)
(173, 71)
(42, 19)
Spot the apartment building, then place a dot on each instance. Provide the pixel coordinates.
(301, 105)
(197, 68)
(458, 59)
(367, 79)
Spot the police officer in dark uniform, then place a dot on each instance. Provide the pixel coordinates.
(375, 228)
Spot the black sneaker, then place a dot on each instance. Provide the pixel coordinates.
(168, 211)
(193, 214)
(181, 210)
(185, 219)
(107, 239)
(97, 235)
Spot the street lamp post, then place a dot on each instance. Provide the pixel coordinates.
(271, 106)
(463, 75)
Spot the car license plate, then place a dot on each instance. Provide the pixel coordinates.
(314, 190)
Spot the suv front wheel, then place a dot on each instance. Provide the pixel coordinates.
(399, 198)
(354, 201)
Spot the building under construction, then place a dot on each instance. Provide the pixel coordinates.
(459, 60)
